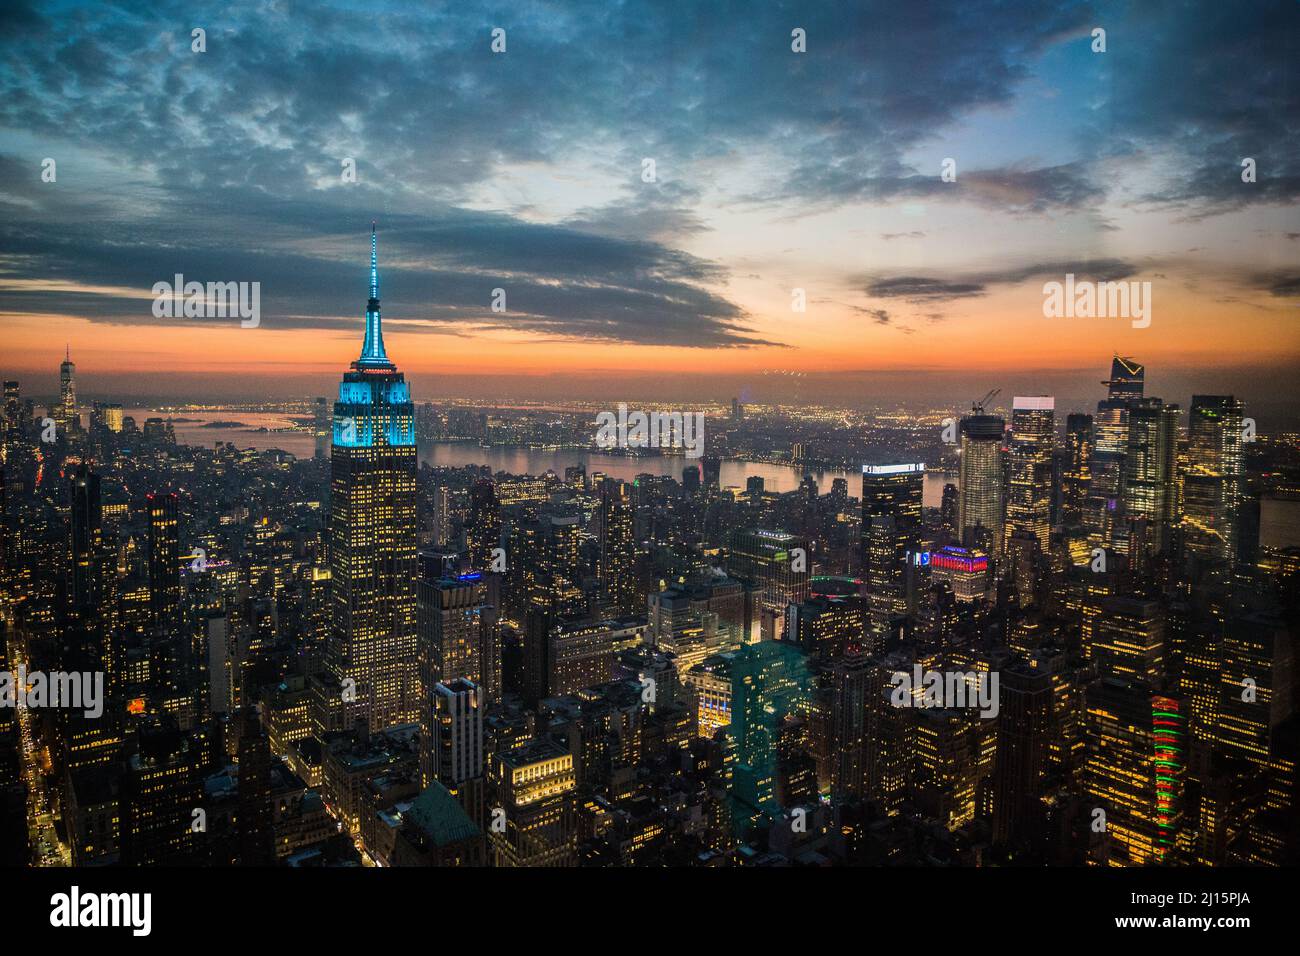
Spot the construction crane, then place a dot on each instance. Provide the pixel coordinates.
(978, 407)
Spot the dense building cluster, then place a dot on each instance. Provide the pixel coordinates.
(1084, 655)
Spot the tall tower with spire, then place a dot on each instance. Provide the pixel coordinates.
(65, 416)
(370, 655)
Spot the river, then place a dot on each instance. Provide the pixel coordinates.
(515, 459)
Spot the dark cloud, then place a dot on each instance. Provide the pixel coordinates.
(1285, 284)
(1012, 190)
(226, 164)
(922, 289)
(930, 289)
(879, 316)
(440, 269)
(1202, 86)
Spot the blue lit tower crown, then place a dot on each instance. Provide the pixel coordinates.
(374, 405)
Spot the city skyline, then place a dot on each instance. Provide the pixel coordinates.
(449, 665)
(683, 282)
(856, 438)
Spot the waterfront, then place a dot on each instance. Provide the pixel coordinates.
(205, 429)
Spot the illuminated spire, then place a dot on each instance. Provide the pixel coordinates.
(374, 265)
(372, 351)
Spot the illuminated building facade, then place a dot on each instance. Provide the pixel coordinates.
(161, 791)
(1150, 476)
(965, 569)
(1109, 449)
(980, 487)
(766, 560)
(1075, 473)
(1029, 492)
(694, 622)
(617, 549)
(1135, 768)
(1212, 482)
(891, 526)
(483, 529)
(452, 748)
(164, 561)
(65, 414)
(1128, 640)
(581, 655)
(372, 533)
(828, 627)
(532, 821)
(769, 683)
(710, 684)
(459, 636)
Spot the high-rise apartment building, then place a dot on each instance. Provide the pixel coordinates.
(617, 549)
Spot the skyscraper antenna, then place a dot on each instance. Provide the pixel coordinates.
(374, 262)
(372, 349)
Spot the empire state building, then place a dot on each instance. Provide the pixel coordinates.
(370, 655)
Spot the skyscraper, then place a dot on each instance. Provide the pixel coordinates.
(255, 824)
(458, 631)
(767, 560)
(483, 529)
(769, 682)
(1129, 639)
(89, 632)
(164, 561)
(1135, 768)
(979, 507)
(1109, 448)
(1212, 483)
(321, 426)
(65, 416)
(617, 549)
(891, 527)
(162, 795)
(452, 752)
(1149, 491)
(533, 823)
(948, 505)
(86, 552)
(1023, 730)
(1029, 495)
(1127, 379)
(372, 532)
(13, 401)
(1075, 474)
(851, 685)
(441, 516)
